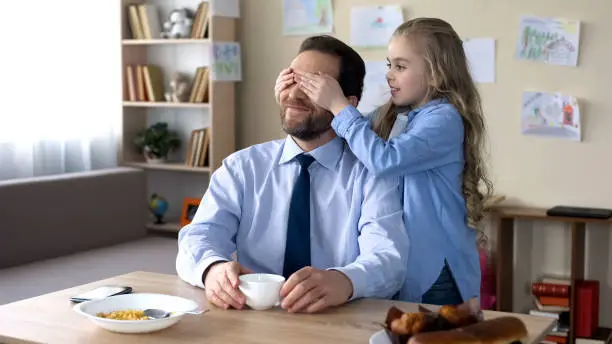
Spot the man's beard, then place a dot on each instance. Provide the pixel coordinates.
(316, 123)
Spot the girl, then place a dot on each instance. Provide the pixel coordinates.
(431, 134)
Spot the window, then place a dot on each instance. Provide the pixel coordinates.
(60, 98)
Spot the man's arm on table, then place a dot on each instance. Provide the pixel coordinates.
(210, 236)
(380, 269)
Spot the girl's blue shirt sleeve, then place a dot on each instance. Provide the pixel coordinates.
(434, 137)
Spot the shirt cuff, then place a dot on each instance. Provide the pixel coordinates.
(356, 276)
(202, 266)
(345, 119)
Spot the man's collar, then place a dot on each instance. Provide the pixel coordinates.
(327, 155)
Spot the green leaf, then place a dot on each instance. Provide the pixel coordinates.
(157, 139)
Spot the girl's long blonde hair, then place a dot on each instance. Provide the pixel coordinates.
(449, 75)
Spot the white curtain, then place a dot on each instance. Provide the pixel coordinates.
(60, 87)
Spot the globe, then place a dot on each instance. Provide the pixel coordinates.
(158, 207)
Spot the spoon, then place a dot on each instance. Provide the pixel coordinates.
(160, 314)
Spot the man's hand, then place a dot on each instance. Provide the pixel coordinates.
(222, 282)
(285, 79)
(311, 290)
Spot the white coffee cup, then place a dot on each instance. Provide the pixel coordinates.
(262, 291)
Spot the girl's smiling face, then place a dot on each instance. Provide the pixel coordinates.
(407, 73)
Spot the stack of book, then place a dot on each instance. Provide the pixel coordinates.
(199, 90)
(199, 29)
(197, 152)
(145, 83)
(552, 299)
(144, 21)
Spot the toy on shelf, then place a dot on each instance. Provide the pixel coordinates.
(178, 89)
(158, 207)
(179, 24)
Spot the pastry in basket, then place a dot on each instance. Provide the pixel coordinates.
(401, 326)
(502, 330)
(452, 325)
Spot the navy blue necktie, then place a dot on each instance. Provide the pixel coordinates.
(297, 251)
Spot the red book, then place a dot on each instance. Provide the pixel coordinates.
(549, 289)
(554, 301)
(556, 339)
(586, 308)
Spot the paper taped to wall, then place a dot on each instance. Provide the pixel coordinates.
(551, 114)
(376, 90)
(480, 53)
(549, 40)
(226, 65)
(373, 26)
(307, 17)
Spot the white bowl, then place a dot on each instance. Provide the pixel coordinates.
(136, 301)
(380, 337)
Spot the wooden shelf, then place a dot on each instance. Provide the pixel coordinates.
(176, 167)
(506, 217)
(524, 213)
(164, 41)
(169, 227)
(184, 105)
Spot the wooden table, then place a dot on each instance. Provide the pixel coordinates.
(50, 319)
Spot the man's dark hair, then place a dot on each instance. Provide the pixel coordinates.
(352, 67)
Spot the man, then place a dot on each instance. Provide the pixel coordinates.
(303, 207)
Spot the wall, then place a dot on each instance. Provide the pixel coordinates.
(529, 170)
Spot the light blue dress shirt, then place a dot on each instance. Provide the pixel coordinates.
(356, 219)
(428, 156)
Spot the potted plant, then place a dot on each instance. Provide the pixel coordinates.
(156, 142)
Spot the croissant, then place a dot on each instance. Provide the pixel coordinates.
(408, 324)
(457, 316)
(502, 330)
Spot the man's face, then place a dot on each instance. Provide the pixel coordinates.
(299, 116)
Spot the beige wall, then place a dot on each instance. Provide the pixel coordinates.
(567, 172)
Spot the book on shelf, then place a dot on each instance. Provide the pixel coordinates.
(131, 83)
(551, 294)
(145, 83)
(197, 152)
(560, 331)
(552, 299)
(558, 280)
(550, 289)
(554, 339)
(586, 308)
(199, 89)
(547, 307)
(199, 29)
(144, 21)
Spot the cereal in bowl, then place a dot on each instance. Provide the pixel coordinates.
(130, 314)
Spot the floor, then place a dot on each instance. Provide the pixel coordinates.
(153, 253)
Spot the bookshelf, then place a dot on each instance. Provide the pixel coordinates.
(214, 109)
(506, 218)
